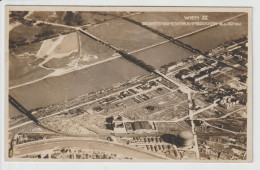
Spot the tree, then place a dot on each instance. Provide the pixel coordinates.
(68, 17)
(109, 119)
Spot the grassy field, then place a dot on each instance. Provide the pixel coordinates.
(216, 36)
(163, 54)
(33, 49)
(125, 35)
(62, 62)
(176, 31)
(29, 33)
(56, 89)
(26, 54)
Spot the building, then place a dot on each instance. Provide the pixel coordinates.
(119, 126)
(174, 65)
(123, 126)
(214, 71)
(128, 126)
(201, 76)
(185, 139)
(205, 149)
(118, 119)
(200, 57)
(228, 102)
(141, 125)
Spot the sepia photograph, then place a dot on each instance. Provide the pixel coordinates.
(162, 84)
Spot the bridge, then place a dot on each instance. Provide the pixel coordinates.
(17, 105)
(21, 109)
(171, 39)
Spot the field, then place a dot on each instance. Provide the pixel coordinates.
(56, 89)
(163, 54)
(36, 32)
(22, 52)
(78, 18)
(50, 16)
(176, 31)
(64, 62)
(213, 37)
(25, 54)
(125, 35)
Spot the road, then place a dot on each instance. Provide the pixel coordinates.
(188, 91)
(191, 114)
(182, 87)
(84, 143)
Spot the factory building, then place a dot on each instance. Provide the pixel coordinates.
(185, 139)
(139, 125)
(123, 126)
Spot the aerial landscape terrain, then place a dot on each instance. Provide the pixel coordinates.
(128, 85)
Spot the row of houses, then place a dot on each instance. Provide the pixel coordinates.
(124, 126)
(228, 102)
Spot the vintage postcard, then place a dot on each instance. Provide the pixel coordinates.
(161, 84)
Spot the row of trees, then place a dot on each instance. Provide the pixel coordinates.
(136, 61)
